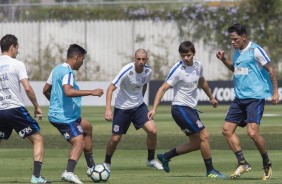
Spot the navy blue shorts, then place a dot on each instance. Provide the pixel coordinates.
(69, 130)
(123, 118)
(18, 119)
(187, 119)
(245, 111)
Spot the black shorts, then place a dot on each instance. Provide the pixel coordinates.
(18, 119)
(69, 130)
(243, 111)
(123, 118)
(187, 119)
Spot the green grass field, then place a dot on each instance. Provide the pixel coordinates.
(128, 164)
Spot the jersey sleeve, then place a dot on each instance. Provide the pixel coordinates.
(172, 77)
(201, 71)
(22, 71)
(68, 79)
(49, 80)
(260, 56)
(117, 80)
(149, 76)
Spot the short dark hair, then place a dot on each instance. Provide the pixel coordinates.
(7, 41)
(240, 29)
(75, 49)
(186, 46)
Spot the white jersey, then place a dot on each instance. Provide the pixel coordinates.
(11, 72)
(129, 85)
(184, 80)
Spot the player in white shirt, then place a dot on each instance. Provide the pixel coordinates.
(131, 84)
(13, 114)
(184, 77)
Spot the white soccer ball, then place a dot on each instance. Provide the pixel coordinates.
(100, 173)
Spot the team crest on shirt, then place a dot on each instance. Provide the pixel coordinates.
(199, 123)
(116, 128)
(251, 49)
(2, 134)
(183, 67)
(147, 70)
(143, 79)
(130, 73)
(66, 136)
(197, 71)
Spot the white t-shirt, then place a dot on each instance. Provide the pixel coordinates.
(11, 72)
(129, 85)
(184, 80)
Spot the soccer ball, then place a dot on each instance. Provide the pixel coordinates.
(100, 173)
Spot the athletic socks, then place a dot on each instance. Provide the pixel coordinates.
(240, 157)
(37, 168)
(89, 159)
(209, 165)
(71, 165)
(170, 154)
(108, 159)
(265, 159)
(151, 154)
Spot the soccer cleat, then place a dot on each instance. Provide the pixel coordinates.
(214, 174)
(70, 177)
(241, 168)
(89, 171)
(267, 171)
(155, 164)
(107, 165)
(40, 179)
(164, 162)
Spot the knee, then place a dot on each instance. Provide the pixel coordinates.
(205, 136)
(252, 134)
(115, 139)
(88, 129)
(225, 133)
(152, 132)
(79, 141)
(37, 138)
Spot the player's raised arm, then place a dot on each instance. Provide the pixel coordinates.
(221, 56)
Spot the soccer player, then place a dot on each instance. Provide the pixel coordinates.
(131, 84)
(184, 77)
(13, 114)
(254, 80)
(65, 110)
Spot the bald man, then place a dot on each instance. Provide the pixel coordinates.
(131, 84)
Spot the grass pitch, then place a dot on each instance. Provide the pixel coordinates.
(129, 161)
